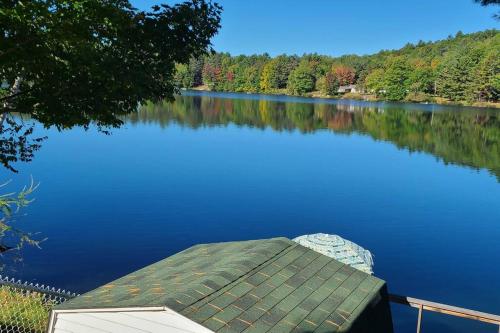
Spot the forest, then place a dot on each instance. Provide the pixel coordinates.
(462, 69)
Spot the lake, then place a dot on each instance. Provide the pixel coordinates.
(417, 185)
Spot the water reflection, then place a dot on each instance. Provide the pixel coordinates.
(467, 137)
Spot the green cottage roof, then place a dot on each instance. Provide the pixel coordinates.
(273, 285)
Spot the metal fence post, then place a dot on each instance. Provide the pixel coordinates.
(419, 320)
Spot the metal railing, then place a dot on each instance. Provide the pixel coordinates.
(423, 305)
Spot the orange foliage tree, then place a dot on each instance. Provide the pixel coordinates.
(345, 75)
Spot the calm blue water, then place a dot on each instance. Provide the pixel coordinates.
(416, 185)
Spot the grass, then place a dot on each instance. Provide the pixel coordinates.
(23, 311)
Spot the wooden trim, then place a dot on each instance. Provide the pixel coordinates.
(54, 313)
(114, 309)
(446, 309)
(165, 309)
(50, 326)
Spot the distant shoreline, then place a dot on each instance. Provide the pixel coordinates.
(360, 97)
(461, 70)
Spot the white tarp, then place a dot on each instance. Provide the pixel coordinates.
(340, 249)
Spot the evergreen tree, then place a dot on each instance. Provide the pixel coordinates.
(455, 79)
(283, 67)
(195, 70)
(421, 79)
(396, 79)
(487, 77)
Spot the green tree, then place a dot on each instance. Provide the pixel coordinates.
(487, 77)
(252, 77)
(239, 77)
(374, 81)
(396, 79)
(456, 74)
(301, 80)
(284, 65)
(421, 79)
(70, 63)
(183, 77)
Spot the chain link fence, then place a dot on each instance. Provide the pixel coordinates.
(25, 307)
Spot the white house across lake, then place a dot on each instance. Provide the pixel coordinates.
(351, 88)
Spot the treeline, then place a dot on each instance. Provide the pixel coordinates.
(463, 68)
(468, 138)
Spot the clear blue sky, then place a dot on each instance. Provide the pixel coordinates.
(336, 27)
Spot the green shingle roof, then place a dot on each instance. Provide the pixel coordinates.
(273, 285)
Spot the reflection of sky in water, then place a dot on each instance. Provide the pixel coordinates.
(112, 204)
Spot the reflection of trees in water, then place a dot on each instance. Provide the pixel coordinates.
(468, 137)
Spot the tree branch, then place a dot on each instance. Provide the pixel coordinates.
(15, 91)
(7, 98)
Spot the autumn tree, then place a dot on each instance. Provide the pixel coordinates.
(269, 80)
(211, 75)
(345, 75)
(329, 84)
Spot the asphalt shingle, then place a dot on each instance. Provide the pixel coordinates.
(273, 285)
